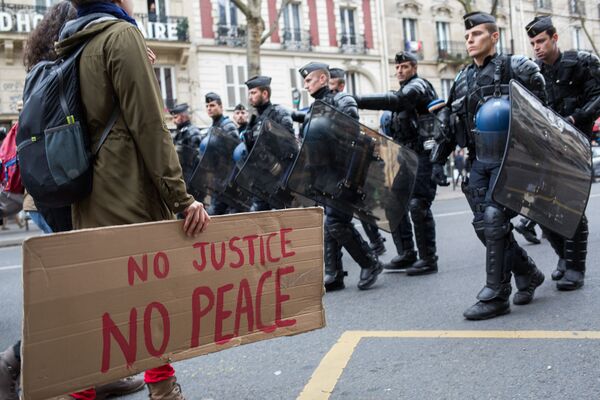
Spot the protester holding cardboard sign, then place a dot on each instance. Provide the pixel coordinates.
(137, 176)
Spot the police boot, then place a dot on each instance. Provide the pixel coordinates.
(407, 255)
(527, 276)
(526, 228)
(334, 271)
(10, 368)
(558, 244)
(575, 256)
(350, 239)
(425, 237)
(376, 241)
(493, 298)
(378, 246)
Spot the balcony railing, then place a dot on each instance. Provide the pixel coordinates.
(543, 5)
(296, 39)
(577, 7)
(231, 35)
(354, 44)
(163, 28)
(453, 52)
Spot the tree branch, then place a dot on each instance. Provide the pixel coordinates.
(466, 5)
(494, 7)
(587, 33)
(275, 24)
(242, 7)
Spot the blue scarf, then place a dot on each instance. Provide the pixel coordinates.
(106, 8)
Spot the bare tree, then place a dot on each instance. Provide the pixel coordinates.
(580, 12)
(256, 30)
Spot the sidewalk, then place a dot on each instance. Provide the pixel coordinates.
(446, 193)
(14, 236)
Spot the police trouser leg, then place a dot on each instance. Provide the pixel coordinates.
(424, 225)
(334, 270)
(493, 298)
(341, 228)
(575, 258)
(403, 240)
(376, 241)
(217, 206)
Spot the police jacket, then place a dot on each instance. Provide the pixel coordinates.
(408, 105)
(573, 87)
(341, 101)
(275, 113)
(227, 125)
(188, 134)
(472, 87)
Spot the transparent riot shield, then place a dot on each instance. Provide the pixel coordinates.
(347, 166)
(188, 157)
(216, 169)
(546, 172)
(268, 165)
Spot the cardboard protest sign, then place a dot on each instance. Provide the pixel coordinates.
(102, 304)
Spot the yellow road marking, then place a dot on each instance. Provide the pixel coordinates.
(330, 369)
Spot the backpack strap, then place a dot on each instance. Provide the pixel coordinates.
(111, 122)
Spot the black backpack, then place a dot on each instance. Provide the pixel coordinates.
(53, 144)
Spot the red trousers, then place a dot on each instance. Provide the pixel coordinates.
(153, 375)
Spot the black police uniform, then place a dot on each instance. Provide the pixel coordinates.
(573, 90)
(217, 205)
(473, 86)
(409, 106)
(275, 113)
(376, 241)
(187, 142)
(339, 229)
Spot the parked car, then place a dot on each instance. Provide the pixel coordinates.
(595, 163)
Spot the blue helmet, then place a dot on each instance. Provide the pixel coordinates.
(385, 121)
(240, 153)
(493, 116)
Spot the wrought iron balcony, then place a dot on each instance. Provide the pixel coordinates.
(354, 44)
(451, 52)
(231, 35)
(543, 5)
(163, 28)
(296, 39)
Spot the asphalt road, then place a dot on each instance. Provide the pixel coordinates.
(389, 363)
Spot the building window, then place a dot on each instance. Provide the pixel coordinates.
(543, 4)
(168, 88)
(411, 43)
(501, 45)
(348, 26)
(577, 7)
(352, 83)
(157, 10)
(577, 38)
(292, 29)
(297, 83)
(236, 89)
(443, 35)
(446, 86)
(227, 15)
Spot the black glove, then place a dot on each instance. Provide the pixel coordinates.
(438, 175)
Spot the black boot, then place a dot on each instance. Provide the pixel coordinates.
(526, 285)
(559, 272)
(378, 246)
(526, 228)
(334, 270)
(10, 368)
(493, 298)
(424, 226)
(406, 257)
(575, 257)
(376, 241)
(527, 276)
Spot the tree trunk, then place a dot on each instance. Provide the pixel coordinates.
(255, 31)
(587, 33)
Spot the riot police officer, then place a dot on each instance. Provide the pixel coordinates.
(339, 230)
(573, 90)
(259, 97)
(411, 126)
(337, 84)
(214, 109)
(186, 140)
(477, 117)
(240, 117)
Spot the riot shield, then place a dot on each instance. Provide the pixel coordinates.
(215, 171)
(268, 165)
(188, 157)
(347, 166)
(546, 172)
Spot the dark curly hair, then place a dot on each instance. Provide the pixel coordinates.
(40, 44)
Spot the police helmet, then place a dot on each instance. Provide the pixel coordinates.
(204, 144)
(493, 116)
(240, 153)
